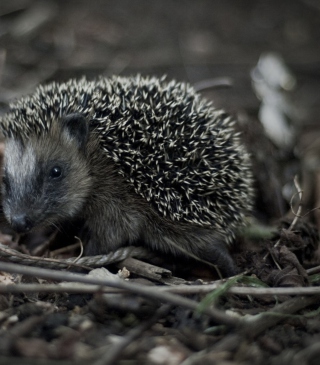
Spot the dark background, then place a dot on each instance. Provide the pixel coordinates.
(186, 39)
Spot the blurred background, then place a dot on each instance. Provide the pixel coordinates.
(184, 39)
(259, 60)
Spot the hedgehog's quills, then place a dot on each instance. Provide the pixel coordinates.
(139, 159)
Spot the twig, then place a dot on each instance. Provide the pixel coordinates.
(81, 250)
(149, 271)
(268, 319)
(298, 214)
(274, 260)
(146, 292)
(178, 289)
(87, 262)
(65, 249)
(313, 270)
(296, 218)
(18, 257)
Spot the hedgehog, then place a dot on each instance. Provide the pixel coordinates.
(140, 160)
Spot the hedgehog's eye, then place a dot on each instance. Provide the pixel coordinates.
(55, 172)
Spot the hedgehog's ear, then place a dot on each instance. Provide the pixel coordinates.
(77, 128)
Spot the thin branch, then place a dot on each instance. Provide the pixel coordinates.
(87, 262)
(268, 319)
(146, 292)
(296, 218)
(65, 249)
(298, 214)
(178, 289)
(81, 250)
(313, 270)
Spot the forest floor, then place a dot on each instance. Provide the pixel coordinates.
(258, 60)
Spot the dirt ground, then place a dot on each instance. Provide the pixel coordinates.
(258, 60)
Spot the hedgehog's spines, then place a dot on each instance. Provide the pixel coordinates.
(177, 151)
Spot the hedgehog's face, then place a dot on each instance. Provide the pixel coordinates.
(46, 178)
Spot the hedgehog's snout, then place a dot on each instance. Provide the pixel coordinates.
(21, 223)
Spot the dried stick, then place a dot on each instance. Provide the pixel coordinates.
(87, 262)
(178, 289)
(296, 218)
(268, 319)
(146, 292)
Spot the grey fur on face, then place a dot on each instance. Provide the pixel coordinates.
(30, 189)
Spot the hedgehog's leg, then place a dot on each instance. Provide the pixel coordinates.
(210, 247)
(107, 241)
(110, 228)
(217, 253)
(193, 242)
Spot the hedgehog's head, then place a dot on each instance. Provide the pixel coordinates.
(46, 177)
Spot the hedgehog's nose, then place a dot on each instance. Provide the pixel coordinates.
(20, 223)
